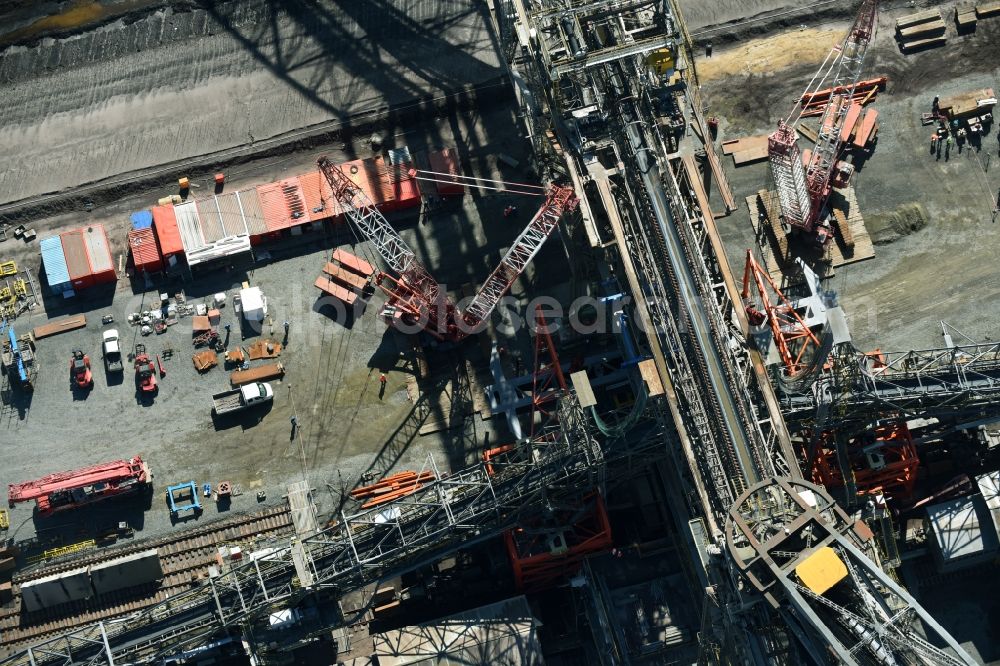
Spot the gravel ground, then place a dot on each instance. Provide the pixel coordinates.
(946, 271)
(332, 367)
(188, 80)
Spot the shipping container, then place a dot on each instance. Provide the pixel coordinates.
(145, 255)
(165, 226)
(445, 161)
(75, 251)
(142, 219)
(54, 261)
(102, 264)
(283, 204)
(319, 197)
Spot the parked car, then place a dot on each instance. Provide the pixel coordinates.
(112, 351)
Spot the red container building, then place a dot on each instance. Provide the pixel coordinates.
(145, 254)
(445, 162)
(167, 233)
(88, 256)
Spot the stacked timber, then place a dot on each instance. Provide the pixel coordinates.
(920, 30)
(965, 19)
(843, 229)
(987, 9)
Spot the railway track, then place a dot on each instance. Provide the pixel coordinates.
(184, 558)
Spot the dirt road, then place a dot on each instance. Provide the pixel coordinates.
(179, 83)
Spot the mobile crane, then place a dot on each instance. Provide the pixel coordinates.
(803, 190)
(68, 490)
(414, 297)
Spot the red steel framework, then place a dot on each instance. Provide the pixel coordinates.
(546, 550)
(797, 344)
(415, 297)
(68, 490)
(882, 461)
(803, 190)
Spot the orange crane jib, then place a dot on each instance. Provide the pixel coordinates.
(414, 295)
(65, 490)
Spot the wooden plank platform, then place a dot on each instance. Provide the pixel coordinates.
(345, 277)
(923, 30)
(331, 288)
(922, 44)
(778, 254)
(808, 132)
(919, 17)
(733, 146)
(966, 20)
(750, 156)
(963, 104)
(353, 263)
(58, 326)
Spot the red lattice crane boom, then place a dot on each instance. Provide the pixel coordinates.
(804, 189)
(68, 490)
(797, 345)
(415, 297)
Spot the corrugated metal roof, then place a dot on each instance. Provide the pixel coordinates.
(189, 226)
(165, 225)
(54, 261)
(98, 249)
(75, 251)
(232, 219)
(253, 212)
(319, 197)
(445, 161)
(272, 201)
(145, 254)
(142, 219)
(957, 529)
(211, 220)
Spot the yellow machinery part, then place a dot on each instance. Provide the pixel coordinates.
(4, 519)
(8, 268)
(661, 61)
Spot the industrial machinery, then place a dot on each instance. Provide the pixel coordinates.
(145, 370)
(803, 190)
(792, 544)
(415, 297)
(67, 490)
(18, 358)
(183, 497)
(79, 368)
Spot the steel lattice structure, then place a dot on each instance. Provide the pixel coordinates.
(803, 191)
(455, 511)
(559, 200)
(863, 617)
(960, 382)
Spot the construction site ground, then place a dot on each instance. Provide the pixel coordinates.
(932, 262)
(332, 367)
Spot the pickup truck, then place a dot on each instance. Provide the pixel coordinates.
(112, 352)
(242, 398)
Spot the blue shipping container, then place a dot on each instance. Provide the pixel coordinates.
(142, 220)
(54, 261)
